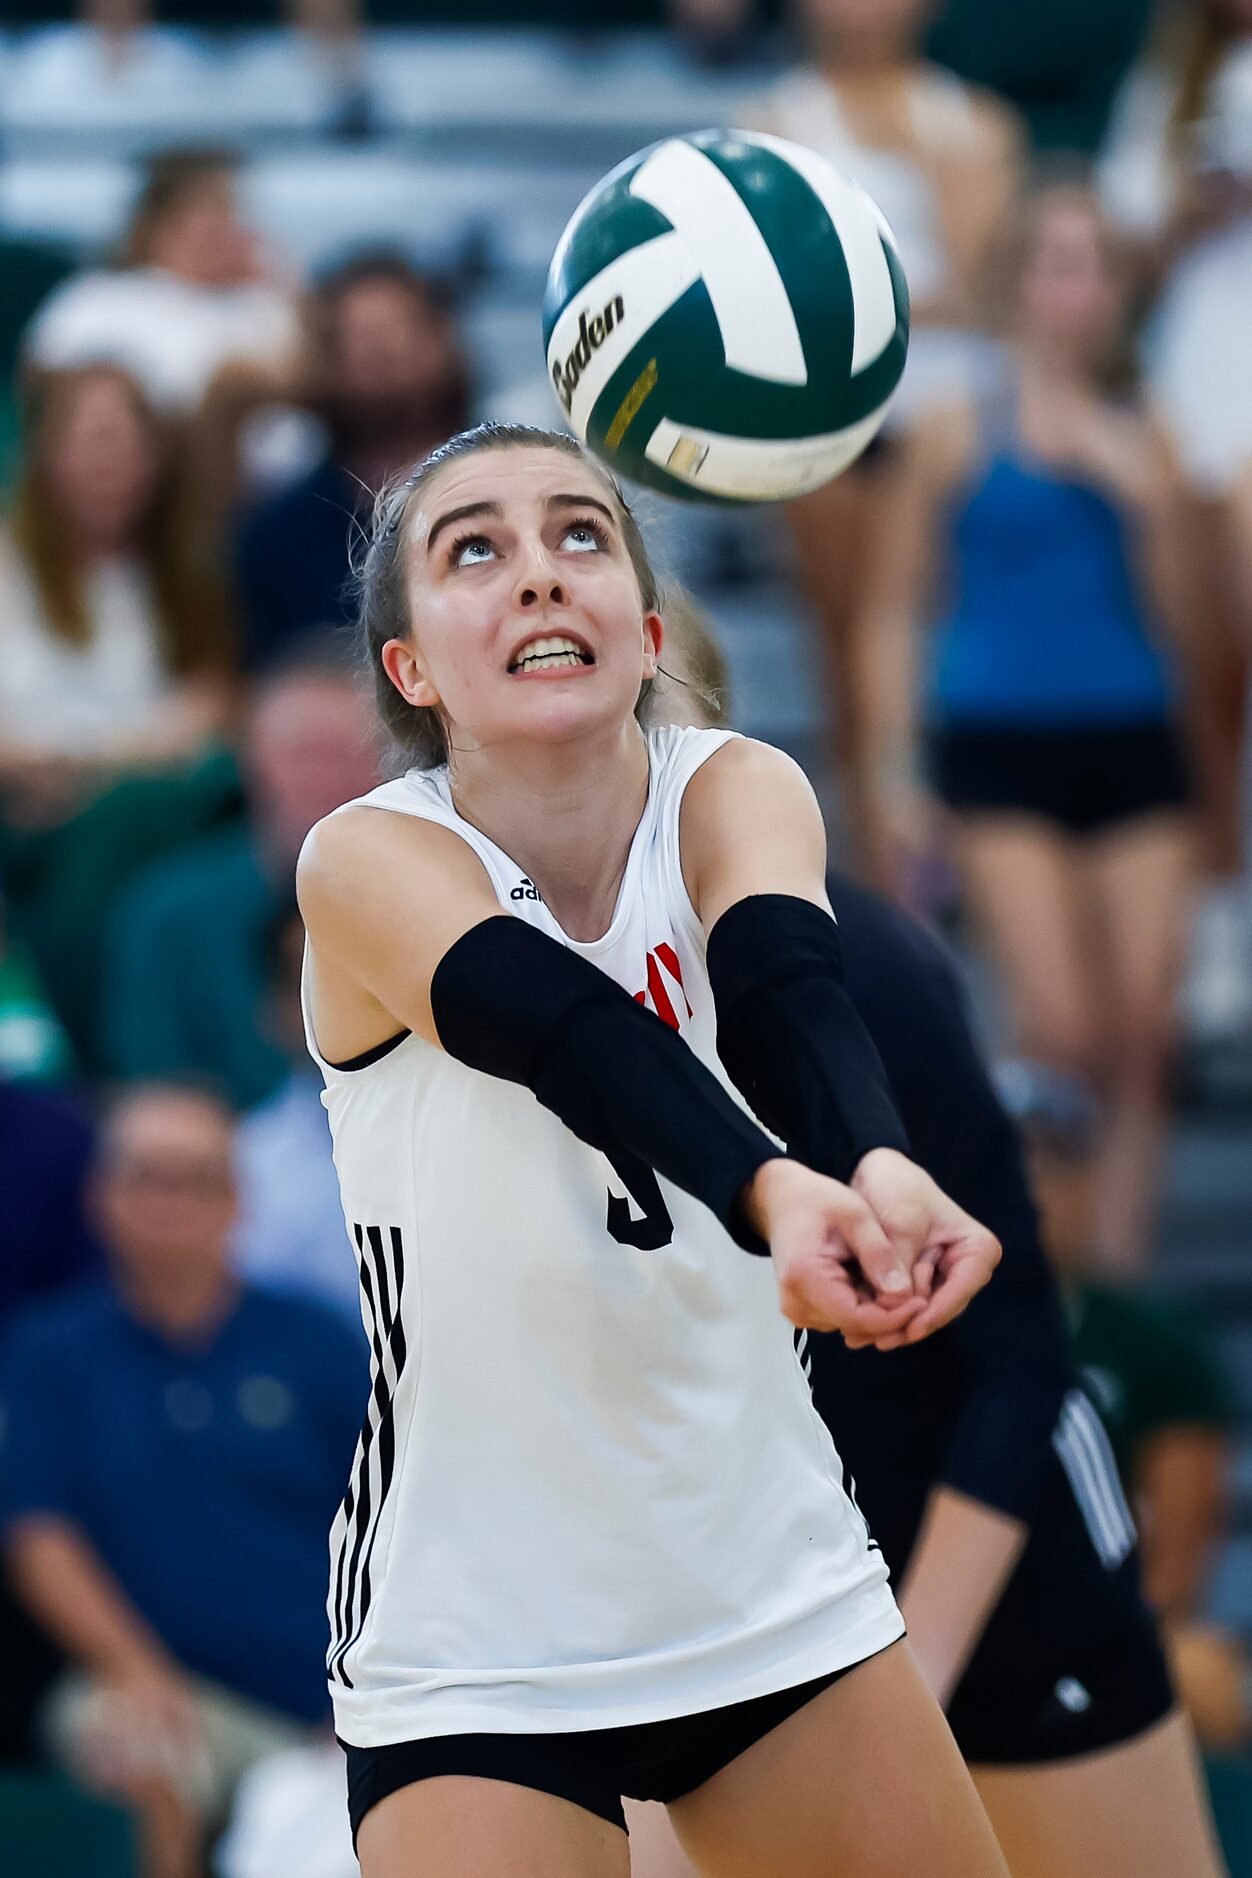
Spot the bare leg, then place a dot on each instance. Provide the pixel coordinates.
(1021, 877)
(457, 1827)
(1137, 1811)
(831, 531)
(1139, 879)
(864, 1781)
(654, 1848)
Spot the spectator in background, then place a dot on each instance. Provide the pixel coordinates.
(190, 297)
(1177, 173)
(290, 1233)
(941, 161)
(114, 644)
(1040, 523)
(186, 975)
(315, 76)
(390, 381)
(1160, 1391)
(175, 1445)
(113, 70)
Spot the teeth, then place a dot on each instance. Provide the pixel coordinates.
(540, 653)
(543, 661)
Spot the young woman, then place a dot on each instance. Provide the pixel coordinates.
(596, 1541)
(940, 158)
(1039, 525)
(114, 641)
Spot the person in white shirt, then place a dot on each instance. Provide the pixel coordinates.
(113, 69)
(596, 1540)
(114, 644)
(190, 298)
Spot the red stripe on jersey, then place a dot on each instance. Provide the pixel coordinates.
(659, 995)
(669, 959)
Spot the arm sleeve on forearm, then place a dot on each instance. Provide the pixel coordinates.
(791, 1038)
(513, 1003)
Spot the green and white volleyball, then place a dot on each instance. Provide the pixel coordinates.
(726, 318)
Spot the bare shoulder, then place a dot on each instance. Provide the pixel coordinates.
(750, 824)
(357, 852)
(375, 884)
(384, 896)
(745, 769)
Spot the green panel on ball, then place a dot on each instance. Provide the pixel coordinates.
(607, 225)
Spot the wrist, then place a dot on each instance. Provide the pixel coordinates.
(760, 1194)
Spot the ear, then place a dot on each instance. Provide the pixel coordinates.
(404, 668)
(653, 640)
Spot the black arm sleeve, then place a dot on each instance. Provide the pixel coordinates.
(513, 1003)
(791, 1038)
(1008, 1349)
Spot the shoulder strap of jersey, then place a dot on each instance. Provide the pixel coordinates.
(676, 754)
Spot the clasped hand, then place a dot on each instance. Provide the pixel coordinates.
(885, 1261)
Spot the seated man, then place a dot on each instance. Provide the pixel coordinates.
(175, 1445)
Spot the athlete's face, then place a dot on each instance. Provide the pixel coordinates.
(527, 616)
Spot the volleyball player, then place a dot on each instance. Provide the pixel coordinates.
(596, 1540)
(984, 1472)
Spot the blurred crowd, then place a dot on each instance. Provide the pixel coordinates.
(1032, 600)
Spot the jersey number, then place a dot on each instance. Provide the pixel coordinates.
(655, 1228)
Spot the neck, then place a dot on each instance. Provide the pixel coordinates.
(183, 1302)
(566, 814)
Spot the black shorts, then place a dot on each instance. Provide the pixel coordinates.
(1093, 1695)
(593, 1768)
(1085, 781)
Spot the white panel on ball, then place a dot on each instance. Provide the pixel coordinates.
(847, 204)
(758, 327)
(753, 469)
(648, 280)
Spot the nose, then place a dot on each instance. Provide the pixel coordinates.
(539, 583)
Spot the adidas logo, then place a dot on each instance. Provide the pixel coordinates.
(591, 336)
(525, 890)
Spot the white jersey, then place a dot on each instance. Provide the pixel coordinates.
(591, 1488)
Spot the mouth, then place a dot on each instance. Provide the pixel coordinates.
(550, 652)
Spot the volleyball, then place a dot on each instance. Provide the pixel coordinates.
(726, 318)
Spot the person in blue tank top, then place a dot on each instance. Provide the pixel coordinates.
(1038, 530)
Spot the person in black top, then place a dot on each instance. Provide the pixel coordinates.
(984, 1472)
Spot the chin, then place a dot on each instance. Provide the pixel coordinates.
(570, 718)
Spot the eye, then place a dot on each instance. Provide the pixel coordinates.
(586, 536)
(469, 551)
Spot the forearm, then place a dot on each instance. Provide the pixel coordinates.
(791, 1038)
(76, 1600)
(512, 1003)
(964, 1557)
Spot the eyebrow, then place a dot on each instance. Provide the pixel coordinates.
(567, 500)
(582, 502)
(459, 515)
